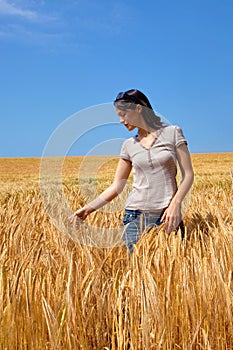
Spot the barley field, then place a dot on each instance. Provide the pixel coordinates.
(63, 290)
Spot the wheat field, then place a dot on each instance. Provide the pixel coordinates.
(57, 292)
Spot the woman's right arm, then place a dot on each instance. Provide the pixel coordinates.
(122, 173)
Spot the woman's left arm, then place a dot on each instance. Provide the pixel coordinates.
(172, 214)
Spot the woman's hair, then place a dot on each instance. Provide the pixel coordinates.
(130, 98)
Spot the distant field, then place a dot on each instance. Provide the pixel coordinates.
(59, 291)
(24, 168)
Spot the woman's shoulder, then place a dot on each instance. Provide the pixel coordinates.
(128, 147)
(171, 128)
(130, 140)
(175, 134)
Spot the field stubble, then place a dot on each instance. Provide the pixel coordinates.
(170, 294)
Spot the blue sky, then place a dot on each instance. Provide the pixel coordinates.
(60, 57)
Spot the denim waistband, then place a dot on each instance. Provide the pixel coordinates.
(137, 211)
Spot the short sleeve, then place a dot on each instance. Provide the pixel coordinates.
(124, 154)
(179, 137)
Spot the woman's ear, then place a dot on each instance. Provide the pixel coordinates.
(139, 108)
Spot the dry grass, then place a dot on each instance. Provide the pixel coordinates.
(170, 294)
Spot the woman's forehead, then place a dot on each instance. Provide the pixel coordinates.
(120, 111)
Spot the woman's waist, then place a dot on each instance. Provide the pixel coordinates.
(140, 211)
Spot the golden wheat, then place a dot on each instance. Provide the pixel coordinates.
(57, 293)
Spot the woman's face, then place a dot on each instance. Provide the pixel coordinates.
(131, 118)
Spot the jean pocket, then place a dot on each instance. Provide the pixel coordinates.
(158, 222)
(130, 216)
(127, 218)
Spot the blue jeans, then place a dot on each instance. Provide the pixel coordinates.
(134, 224)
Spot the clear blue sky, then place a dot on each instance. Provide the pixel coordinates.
(59, 57)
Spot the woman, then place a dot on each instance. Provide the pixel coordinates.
(152, 154)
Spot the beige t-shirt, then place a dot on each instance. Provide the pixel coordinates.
(154, 169)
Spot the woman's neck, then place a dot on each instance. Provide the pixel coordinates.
(146, 132)
(143, 132)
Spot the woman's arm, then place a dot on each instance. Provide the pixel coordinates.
(172, 213)
(122, 173)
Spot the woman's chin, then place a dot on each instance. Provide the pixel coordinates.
(130, 127)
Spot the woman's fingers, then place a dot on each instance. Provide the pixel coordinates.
(74, 215)
(171, 222)
(81, 214)
(163, 218)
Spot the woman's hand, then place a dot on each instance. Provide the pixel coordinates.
(80, 213)
(172, 217)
